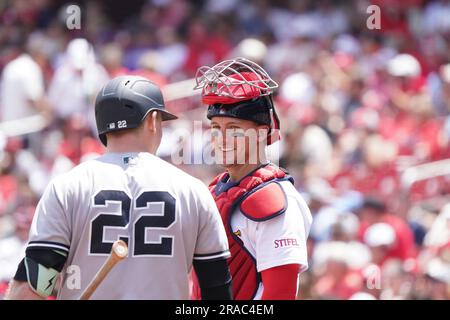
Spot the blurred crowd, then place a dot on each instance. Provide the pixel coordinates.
(365, 119)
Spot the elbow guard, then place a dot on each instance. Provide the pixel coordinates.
(40, 268)
(214, 279)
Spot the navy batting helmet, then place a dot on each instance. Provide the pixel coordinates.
(124, 102)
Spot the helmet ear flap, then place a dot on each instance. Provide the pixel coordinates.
(103, 139)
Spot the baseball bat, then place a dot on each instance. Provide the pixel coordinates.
(118, 252)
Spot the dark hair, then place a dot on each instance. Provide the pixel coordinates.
(18, 40)
(374, 204)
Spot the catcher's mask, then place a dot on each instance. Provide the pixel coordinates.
(239, 88)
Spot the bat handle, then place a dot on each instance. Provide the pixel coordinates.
(118, 252)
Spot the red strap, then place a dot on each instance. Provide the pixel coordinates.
(280, 283)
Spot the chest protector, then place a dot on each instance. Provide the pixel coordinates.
(260, 198)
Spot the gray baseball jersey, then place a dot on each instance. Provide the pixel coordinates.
(167, 217)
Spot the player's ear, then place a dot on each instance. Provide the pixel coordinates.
(152, 121)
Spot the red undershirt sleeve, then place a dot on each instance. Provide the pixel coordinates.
(280, 283)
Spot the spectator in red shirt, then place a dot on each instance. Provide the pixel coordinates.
(374, 211)
(77, 141)
(205, 48)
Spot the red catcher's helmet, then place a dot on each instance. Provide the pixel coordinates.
(242, 89)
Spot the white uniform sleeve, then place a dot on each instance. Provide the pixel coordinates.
(51, 223)
(34, 86)
(212, 242)
(282, 240)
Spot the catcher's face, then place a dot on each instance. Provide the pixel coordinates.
(237, 141)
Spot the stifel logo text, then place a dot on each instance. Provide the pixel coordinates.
(288, 242)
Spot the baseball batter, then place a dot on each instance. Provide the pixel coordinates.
(266, 220)
(168, 219)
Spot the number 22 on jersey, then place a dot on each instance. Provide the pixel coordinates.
(145, 221)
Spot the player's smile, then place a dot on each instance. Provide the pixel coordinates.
(231, 139)
(226, 153)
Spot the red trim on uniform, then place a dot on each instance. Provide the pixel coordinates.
(265, 203)
(280, 283)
